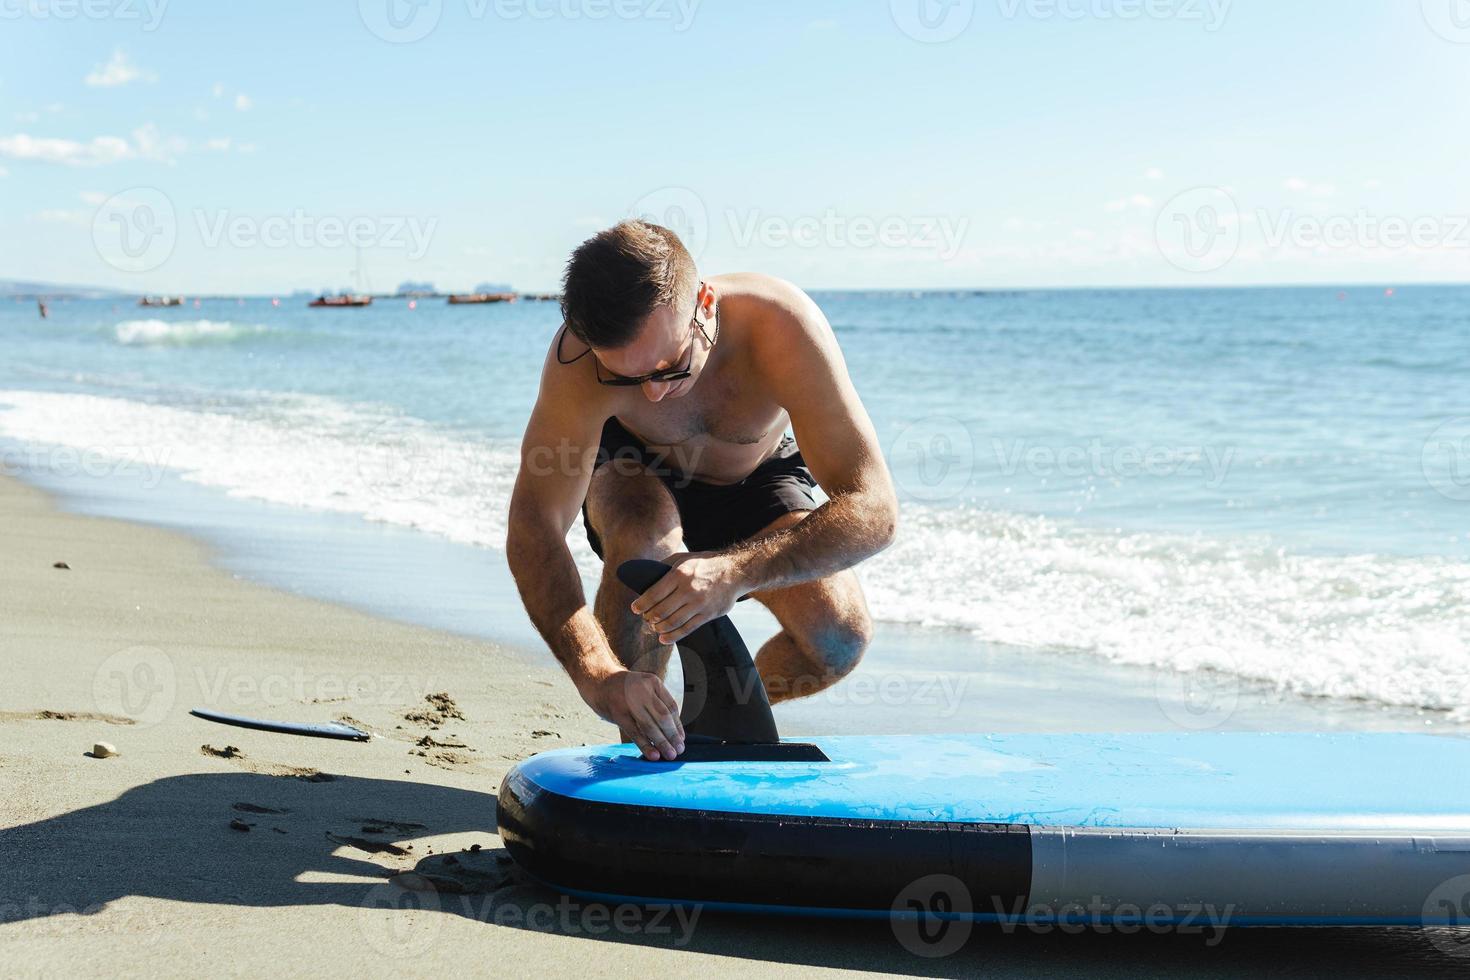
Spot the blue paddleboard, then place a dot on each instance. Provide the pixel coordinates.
(1290, 829)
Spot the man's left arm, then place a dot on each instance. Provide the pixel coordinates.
(804, 367)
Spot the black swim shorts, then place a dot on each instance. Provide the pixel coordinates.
(716, 516)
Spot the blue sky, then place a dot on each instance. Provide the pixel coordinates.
(884, 143)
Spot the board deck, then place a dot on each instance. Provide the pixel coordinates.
(1332, 828)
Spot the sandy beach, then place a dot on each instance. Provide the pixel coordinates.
(201, 847)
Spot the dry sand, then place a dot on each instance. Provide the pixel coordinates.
(206, 849)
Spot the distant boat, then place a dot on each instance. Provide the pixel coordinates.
(458, 298)
(541, 297)
(161, 301)
(341, 301)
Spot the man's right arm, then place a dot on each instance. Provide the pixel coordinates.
(556, 465)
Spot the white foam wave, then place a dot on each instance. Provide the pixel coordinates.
(302, 451)
(1390, 629)
(181, 333)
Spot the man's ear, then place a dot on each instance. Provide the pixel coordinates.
(706, 298)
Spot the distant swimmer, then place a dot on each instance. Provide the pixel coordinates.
(42, 307)
(662, 417)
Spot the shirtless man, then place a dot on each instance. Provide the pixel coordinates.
(662, 417)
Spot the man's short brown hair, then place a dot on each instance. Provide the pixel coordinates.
(619, 276)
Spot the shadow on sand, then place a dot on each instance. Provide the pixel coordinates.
(173, 839)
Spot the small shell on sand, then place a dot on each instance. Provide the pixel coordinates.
(104, 750)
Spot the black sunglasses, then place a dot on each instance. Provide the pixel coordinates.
(666, 375)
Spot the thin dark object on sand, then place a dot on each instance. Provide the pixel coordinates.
(326, 729)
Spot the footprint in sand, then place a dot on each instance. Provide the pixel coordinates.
(233, 754)
(50, 715)
(469, 872)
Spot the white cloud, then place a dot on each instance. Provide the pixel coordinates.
(242, 102)
(1298, 185)
(99, 150)
(4, 172)
(27, 117)
(65, 216)
(118, 71)
(150, 144)
(1153, 173)
(219, 90)
(201, 114)
(147, 144)
(1372, 184)
(1142, 201)
(94, 198)
(219, 144)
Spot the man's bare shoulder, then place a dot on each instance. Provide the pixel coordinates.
(568, 377)
(773, 312)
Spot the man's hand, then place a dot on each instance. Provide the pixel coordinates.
(644, 711)
(702, 586)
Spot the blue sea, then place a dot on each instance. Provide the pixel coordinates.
(1268, 484)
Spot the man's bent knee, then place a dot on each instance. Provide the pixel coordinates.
(839, 646)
